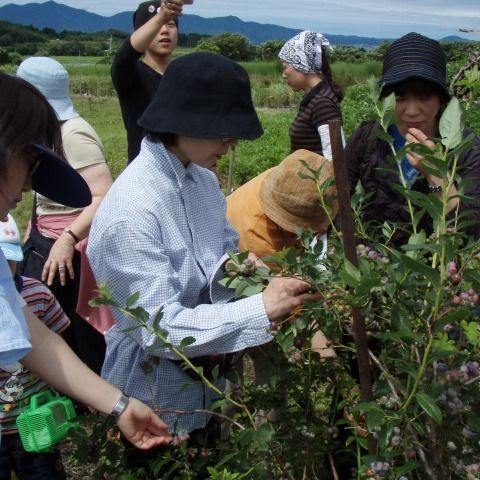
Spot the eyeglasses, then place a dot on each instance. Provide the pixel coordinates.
(34, 164)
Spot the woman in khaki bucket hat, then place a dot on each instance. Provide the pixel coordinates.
(268, 209)
(266, 212)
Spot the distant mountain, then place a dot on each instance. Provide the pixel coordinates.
(61, 17)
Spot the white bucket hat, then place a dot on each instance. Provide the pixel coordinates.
(10, 240)
(51, 78)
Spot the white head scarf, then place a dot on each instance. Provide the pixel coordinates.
(304, 51)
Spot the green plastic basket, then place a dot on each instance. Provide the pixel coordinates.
(46, 422)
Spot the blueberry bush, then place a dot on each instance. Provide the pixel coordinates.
(420, 304)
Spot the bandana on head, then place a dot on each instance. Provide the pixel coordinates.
(304, 51)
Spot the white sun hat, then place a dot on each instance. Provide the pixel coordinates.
(10, 242)
(51, 78)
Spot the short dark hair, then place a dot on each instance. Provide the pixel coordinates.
(416, 86)
(168, 139)
(26, 118)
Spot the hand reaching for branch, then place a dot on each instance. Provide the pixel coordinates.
(142, 427)
(283, 295)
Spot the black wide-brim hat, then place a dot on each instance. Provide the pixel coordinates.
(203, 95)
(415, 56)
(57, 180)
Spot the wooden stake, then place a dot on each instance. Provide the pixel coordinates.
(349, 245)
(231, 163)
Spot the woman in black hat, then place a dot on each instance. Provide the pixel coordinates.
(162, 231)
(414, 68)
(28, 125)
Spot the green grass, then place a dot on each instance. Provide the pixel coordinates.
(95, 99)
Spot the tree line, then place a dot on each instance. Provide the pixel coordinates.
(17, 41)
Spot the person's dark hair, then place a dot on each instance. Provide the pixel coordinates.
(26, 118)
(417, 87)
(168, 139)
(327, 73)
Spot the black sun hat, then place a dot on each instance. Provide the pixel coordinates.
(415, 56)
(57, 180)
(203, 95)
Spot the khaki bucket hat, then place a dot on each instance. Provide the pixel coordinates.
(293, 202)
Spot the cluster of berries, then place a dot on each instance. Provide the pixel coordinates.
(389, 401)
(469, 472)
(451, 399)
(371, 254)
(467, 372)
(294, 355)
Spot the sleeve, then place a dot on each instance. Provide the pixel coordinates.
(136, 261)
(123, 70)
(324, 110)
(469, 171)
(53, 315)
(355, 150)
(83, 147)
(14, 334)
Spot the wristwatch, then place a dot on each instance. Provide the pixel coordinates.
(68, 230)
(434, 188)
(120, 406)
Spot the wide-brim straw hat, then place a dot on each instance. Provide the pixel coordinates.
(415, 56)
(293, 202)
(203, 95)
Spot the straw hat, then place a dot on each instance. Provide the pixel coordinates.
(291, 201)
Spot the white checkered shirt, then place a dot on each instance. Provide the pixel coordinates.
(161, 230)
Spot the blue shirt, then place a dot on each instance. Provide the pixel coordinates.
(409, 172)
(14, 334)
(161, 231)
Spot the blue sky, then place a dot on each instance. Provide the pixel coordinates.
(375, 18)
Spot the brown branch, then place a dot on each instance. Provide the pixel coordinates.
(349, 244)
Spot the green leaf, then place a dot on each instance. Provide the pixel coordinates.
(472, 331)
(406, 468)
(156, 321)
(428, 272)
(430, 407)
(382, 135)
(414, 240)
(350, 274)
(452, 123)
(132, 300)
(186, 342)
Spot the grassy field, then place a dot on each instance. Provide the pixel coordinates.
(95, 99)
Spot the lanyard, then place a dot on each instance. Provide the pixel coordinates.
(409, 173)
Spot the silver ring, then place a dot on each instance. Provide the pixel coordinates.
(61, 267)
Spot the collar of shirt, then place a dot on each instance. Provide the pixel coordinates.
(181, 172)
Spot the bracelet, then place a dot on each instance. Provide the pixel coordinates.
(434, 188)
(120, 406)
(69, 231)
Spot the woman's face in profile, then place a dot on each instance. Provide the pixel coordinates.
(17, 179)
(294, 78)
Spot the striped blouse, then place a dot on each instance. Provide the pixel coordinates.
(17, 384)
(309, 129)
